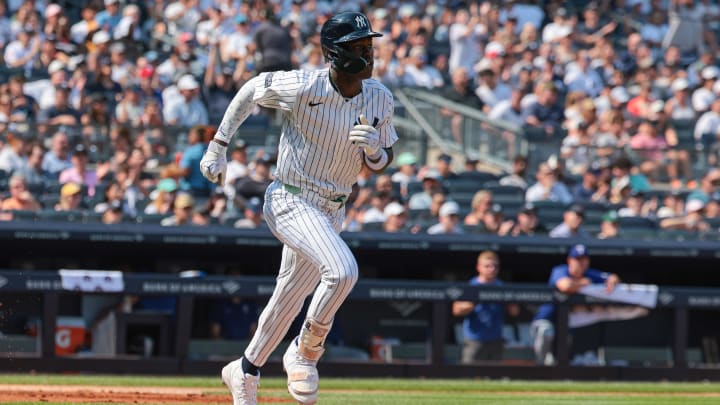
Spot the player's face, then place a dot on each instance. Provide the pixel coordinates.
(578, 265)
(488, 268)
(363, 48)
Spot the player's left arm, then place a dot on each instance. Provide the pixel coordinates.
(372, 165)
(377, 140)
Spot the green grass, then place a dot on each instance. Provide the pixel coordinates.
(391, 391)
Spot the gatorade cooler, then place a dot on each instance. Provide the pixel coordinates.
(69, 335)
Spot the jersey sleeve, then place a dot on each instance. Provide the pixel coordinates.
(558, 273)
(388, 135)
(278, 90)
(596, 276)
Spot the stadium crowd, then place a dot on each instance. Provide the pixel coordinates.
(105, 111)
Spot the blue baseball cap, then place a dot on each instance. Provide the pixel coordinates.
(577, 251)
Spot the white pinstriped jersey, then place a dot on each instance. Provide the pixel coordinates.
(315, 152)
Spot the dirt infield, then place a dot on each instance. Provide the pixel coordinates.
(80, 394)
(118, 395)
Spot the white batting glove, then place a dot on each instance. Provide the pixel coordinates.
(366, 136)
(213, 164)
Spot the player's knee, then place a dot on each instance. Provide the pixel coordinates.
(343, 275)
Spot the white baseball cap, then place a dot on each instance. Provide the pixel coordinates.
(187, 82)
(174, 10)
(694, 205)
(619, 94)
(679, 84)
(100, 37)
(55, 66)
(657, 106)
(449, 208)
(710, 72)
(52, 10)
(394, 208)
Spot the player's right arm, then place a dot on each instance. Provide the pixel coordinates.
(271, 89)
(569, 285)
(213, 164)
(462, 308)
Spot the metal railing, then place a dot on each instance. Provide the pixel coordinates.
(456, 128)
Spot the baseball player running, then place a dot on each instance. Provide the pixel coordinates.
(335, 120)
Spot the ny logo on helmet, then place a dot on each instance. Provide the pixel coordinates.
(361, 22)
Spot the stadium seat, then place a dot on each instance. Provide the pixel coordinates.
(504, 194)
(372, 227)
(481, 177)
(92, 217)
(593, 216)
(550, 213)
(150, 218)
(637, 223)
(677, 235)
(414, 187)
(36, 188)
(637, 234)
(230, 220)
(48, 201)
(464, 185)
(24, 215)
(66, 216)
(464, 199)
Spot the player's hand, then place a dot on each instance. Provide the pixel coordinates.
(366, 136)
(612, 282)
(213, 164)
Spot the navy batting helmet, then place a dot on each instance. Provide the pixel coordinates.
(340, 29)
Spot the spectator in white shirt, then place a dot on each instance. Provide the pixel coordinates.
(449, 220)
(510, 109)
(235, 45)
(6, 34)
(80, 30)
(463, 35)
(704, 96)
(654, 30)
(129, 26)
(490, 90)
(582, 78)
(707, 128)
(558, 29)
(186, 110)
(547, 187)
(417, 72)
(23, 51)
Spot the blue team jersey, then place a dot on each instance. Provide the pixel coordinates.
(547, 311)
(485, 322)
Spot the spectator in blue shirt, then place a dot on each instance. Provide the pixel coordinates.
(110, 17)
(188, 170)
(483, 323)
(57, 158)
(568, 279)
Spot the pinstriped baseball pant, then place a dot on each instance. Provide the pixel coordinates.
(314, 258)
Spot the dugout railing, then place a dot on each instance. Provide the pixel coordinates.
(50, 285)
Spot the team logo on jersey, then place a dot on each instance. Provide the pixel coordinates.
(361, 22)
(268, 79)
(374, 123)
